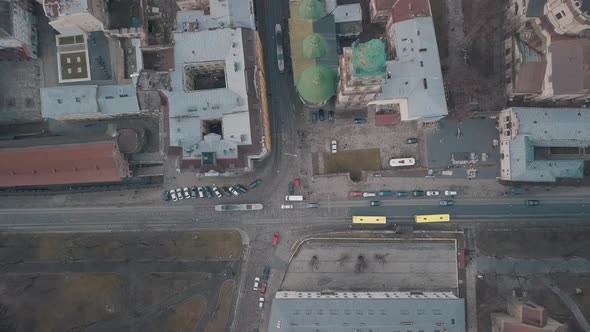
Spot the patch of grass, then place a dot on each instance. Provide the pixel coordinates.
(439, 16)
(198, 245)
(353, 162)
(185, 316)
(222, 309)
(84, 298)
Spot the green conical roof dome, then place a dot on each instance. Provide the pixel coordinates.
(314, 46)
(317, 84)
(311, 9)
(368, 59)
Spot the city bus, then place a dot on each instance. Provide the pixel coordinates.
(426, 218)
(371, 220)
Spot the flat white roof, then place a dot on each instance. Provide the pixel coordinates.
(416, 81)
(348, 13)
(230, 104)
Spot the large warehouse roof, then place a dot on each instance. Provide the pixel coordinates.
(375, 311)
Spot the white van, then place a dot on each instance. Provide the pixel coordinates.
(397, 162)
(296, 198)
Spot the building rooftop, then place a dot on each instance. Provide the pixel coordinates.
(416, 81)
(535, 8)
(571, 66)
(375, 311)
(408, 9)
(208, 86)
(546, 127)
(384, 4)
(62, 164)
(88, 101)
(348, 13)
(55, 8)
(368, 59)
(233, 13)
(317, 84)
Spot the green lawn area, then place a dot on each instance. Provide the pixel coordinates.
(353, 162)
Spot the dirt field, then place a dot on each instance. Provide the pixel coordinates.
(353, 161)
(534, 244)
(222, 309)
(119, 281)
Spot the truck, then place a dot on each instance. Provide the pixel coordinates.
(238, 207)
(294, 198)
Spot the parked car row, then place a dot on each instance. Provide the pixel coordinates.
(321, 114)
(207, 191)
(260, 283)
(445, 202)
(414, 193)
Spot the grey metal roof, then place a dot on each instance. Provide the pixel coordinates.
(88, 101)
(230, 104)
(348, 13)
(416, 78)
(535, 8)
(376, 312)
(233, 13)
(547, 127)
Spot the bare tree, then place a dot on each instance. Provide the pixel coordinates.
(6, 320)
(361, 264)
(314, 262)
(381, 258)
(343, 259)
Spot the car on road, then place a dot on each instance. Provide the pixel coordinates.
(450, 193)
(194, 192)
(263, 288)
(179, 194)
(275, 239)
(356, 194)
(187, 192)
(254, 184)
(261, 302)
(297, 182)
(241, 188)
(331, 116)
(431, 193)
(208, 192)
(314, 117)
(256, 283)
(532, 202)
(173, 195)
(166, 195)
(402, 194)
(217, 192)
(201, 192)
(334, 146)
(313, 205)
(286, 206)
(417, 193)
(375, 203)
(446, 202)
(360, 121)
(322, 115)
(411, 140)
(234, 191)
(226, 191)
(517, 191)
(266, 272)
(369, 194)
(291, 188)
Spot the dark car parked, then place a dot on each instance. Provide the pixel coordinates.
(322, 115)
(331, 116)
(241, 188)
(254, 184)
(417, 193)
(360, 121)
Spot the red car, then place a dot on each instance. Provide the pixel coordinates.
(297, 182)
(275, 239)
(263, 288)
(356, 193)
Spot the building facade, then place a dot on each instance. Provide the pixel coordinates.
(525, 316)
(18, 30)
(543, 144)
(362, 72)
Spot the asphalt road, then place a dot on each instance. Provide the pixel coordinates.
(467, 211)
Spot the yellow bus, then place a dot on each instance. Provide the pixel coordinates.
(425, 218)
(369, 220)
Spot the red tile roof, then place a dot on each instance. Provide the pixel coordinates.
(62, 164)
(408, 9)
(390, 119)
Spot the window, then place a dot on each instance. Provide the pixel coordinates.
(425, 83)
(421, 311)
(507, 51)
(421, 63)
(404, 312)
(436, 312)
(560, 15)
